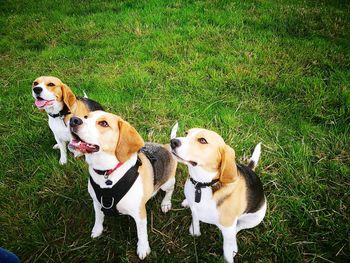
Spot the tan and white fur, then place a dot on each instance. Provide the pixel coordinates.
(112, 140)
(230, 204)
(52, 95)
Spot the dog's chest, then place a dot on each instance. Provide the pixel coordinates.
(206, 209)
(59, 128)
(130, 203)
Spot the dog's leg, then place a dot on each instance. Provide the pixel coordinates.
(194, 227)
(63, 150)
(143, 248)
(56, 146)
(168, 187)
(230, 243)
(99, 218)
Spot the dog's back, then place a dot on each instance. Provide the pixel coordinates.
(161, 160)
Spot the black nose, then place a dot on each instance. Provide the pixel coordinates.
(75, 121)
(174, 143)
(37, 90)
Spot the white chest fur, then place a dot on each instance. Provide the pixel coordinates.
(59, 129)
(205, 210)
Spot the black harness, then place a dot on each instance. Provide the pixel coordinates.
(110, 197)
(198, 186)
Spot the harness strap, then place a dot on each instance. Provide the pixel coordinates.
(110, 197)
(198, 186)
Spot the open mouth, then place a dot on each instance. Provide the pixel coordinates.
(41, 103)
(183, 160)
(78, 144)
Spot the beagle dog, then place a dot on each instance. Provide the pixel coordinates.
(59, 102)
(124, 171)
(219, 191)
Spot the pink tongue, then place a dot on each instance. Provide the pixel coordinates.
(40, 103)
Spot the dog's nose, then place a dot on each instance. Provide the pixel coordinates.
(75, 121)
(37, 90)
(174, 143)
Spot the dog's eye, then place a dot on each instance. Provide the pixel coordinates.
(50, 84)
(35, 83)
(85, 117)
(202, 141)
(103, 123)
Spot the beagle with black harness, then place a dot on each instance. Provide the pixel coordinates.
(219, 191)
(124, 172)
(60, 104)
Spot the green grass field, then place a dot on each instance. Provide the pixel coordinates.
(271, 71)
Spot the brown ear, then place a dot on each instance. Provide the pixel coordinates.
(68, 97)
(129, 141)
(228, 168)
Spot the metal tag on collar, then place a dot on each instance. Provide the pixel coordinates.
(107, 182)
(197, 195)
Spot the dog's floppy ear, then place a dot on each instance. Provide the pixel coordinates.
(129, 141)
(68, 97)
(228, 168)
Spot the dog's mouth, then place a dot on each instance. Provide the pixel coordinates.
(183, 160)
(41, 103)
(78, 144)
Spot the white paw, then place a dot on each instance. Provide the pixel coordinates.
(229, 258)
(96, 231)
(185, 203)
(194, 231)
(165, 206)
(143, 249)
(63, 160)
(55, 146)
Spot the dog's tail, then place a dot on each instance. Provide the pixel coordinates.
(253, 162)
(85, 96)
(174, 130)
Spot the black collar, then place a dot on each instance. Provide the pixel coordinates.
(198, 186)
(65, 111)
(110, 197)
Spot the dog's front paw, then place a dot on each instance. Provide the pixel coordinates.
(143, 249)
(96, 231)
(185, 203)
(63, 160)
(229, 257)
(55, 146)
(194, 231)
(166, 206)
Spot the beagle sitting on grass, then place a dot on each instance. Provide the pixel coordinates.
(59, 102)
(124, 172)
(219, 191)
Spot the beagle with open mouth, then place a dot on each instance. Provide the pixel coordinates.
(219, 191)
(60, 103)
(124, 172)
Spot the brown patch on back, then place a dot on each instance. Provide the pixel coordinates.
(146, 173)
(80, 110)
(231, 201)
(147, 177)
